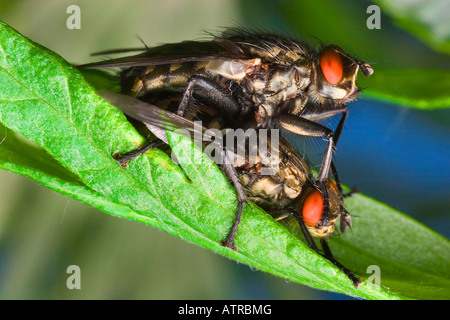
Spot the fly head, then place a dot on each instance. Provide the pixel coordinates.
(334, 76)
(310, 207)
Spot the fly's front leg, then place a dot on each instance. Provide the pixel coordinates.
(210, 90)
(327, 254)
(288, 212)
(340, 126)
(310, 128)
(326, 249)
(335, 174)
(309, 239)
(281, 213)
(231, 173)
(313, 114)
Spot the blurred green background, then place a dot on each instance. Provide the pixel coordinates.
(42, 232)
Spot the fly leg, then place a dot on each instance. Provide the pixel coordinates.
(313, 114)
(356, 281)
(309, 239)
(281, 213)
(123, 159)
(335, 174)
(231, 173)
(337, 135)
(307, 127)
(341, 193)
(327, 252)
(210, 90)
(346, 220)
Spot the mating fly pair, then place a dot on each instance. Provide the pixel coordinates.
(241, 80)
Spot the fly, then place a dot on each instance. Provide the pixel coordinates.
(240, 80)
(271, 80)
(289, 191)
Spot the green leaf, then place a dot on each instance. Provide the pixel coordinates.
(101, 80)
(18, 155)
(46, 100)
(426, 19)
(405, 72)
(409, 87)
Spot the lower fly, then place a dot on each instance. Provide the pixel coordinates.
(290, 191)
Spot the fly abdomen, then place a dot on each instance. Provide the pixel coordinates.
(139, 81)
(166, 76)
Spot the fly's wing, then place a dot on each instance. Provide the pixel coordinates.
(186, 51)
(156, 119)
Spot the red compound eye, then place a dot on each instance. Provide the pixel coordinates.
(312, 208)
(331, 65)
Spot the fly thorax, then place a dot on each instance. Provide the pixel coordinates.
(303, 76)
(285, 84)
(265, 111)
